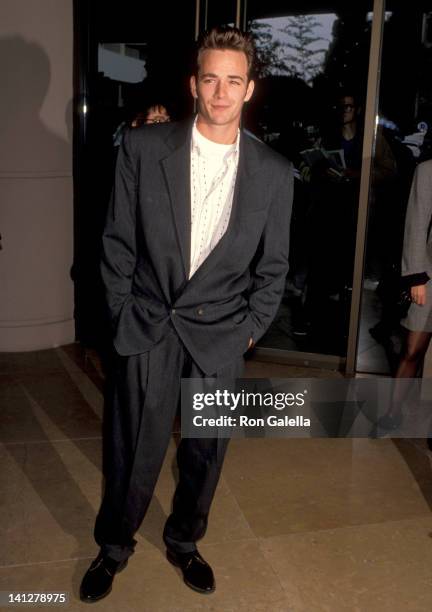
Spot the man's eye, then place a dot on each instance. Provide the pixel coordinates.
(235, 82)
(208, 80)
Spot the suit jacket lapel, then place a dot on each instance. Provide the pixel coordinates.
(176, 168)
(248, 165)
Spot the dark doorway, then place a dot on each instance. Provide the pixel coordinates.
(127, 57)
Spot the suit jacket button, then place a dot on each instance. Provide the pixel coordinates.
(173, 310)
(200, 311)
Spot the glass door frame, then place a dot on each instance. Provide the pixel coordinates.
(369, 140)
(346, 363)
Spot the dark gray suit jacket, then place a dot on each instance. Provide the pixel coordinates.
(235, 293)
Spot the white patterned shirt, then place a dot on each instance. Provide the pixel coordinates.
(213, 175)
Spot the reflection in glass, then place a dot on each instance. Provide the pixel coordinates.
(294, 46)
(309, 103)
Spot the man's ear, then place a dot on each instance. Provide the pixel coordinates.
(193, 86)
(249, 90)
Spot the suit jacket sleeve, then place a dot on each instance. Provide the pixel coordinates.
(415, 261)
(118, 241)
(270, 265)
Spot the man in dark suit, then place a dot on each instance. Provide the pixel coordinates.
(195, 254)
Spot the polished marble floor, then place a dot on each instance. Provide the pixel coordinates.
(296, 526)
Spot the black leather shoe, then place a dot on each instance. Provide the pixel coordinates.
(197, 573)
(97, 581)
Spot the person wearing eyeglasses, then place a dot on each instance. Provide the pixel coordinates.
(351, 134)
(332, 220)
(157, 113)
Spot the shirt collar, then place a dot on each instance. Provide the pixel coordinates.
(199, 144)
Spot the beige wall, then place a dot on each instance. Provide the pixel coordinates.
(36, 214)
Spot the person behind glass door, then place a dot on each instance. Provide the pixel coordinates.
(156, 113)
(348, 136)
(351, 134)
(334, 197)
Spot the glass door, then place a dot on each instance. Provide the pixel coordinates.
(403, 140)
(309, 105)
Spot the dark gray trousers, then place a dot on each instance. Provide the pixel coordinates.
(140, 412)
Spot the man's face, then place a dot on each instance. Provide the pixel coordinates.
(222, 86)
(348, 109)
